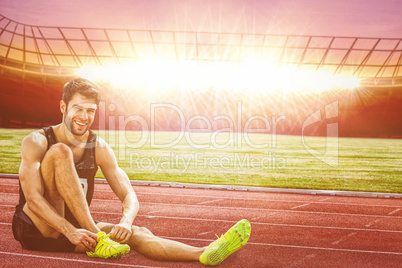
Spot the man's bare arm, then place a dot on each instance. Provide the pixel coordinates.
(32, 152)
(120, 184)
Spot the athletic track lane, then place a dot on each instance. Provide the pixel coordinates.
(288, 230)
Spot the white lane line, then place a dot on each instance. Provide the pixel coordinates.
(395, 211)
(303, 205)
(296, 246)
(71, 260)
(283, 225)
(372, 223)
(261, 209)
(250, 199)
(272, 210)
(255, 223)
(325, 199)
(204, 233)
(272, 200)
(207, 202)
(344, 238)
(275, 200)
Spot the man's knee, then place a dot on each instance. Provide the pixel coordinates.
(61, 151)
(141, 231)
(58, 153)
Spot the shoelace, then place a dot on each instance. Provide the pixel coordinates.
(107, 239)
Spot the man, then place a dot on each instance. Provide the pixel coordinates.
(56, 187)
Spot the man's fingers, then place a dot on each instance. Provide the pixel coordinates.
(93, 236)
(89, 241)
(92, 242)
(113, 232)
(117, 233)
(86, 245)
(120, 233)
(126, 237)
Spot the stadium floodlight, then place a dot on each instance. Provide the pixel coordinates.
(251, 76)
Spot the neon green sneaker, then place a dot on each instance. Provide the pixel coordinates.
(107, 248)
(234, 239)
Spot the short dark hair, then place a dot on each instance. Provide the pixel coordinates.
(81, 86)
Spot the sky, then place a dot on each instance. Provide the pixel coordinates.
(355, 18)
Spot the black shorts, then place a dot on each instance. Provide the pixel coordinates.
(30, 237)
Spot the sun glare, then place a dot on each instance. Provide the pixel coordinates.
(250, 76)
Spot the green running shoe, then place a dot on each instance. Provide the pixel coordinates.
(107, 248)
(234, 239)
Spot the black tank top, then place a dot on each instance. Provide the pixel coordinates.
(86, 168)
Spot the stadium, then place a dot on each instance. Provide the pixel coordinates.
(280, 127)
(362, 73)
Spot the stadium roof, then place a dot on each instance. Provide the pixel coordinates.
(358, 18)
(297, 34)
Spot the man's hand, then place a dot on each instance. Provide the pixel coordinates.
(121, 233)
(84, 238)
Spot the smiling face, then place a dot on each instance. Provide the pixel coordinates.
(79, 114)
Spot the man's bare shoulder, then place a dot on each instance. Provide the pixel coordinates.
(38, 137)
(35, 143)
(101, 143)
(104, 153)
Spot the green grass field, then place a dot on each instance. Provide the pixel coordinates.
(357, 164)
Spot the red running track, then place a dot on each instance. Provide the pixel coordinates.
(288, 230)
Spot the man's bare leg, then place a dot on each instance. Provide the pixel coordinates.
(61, 185)
(144, 242)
